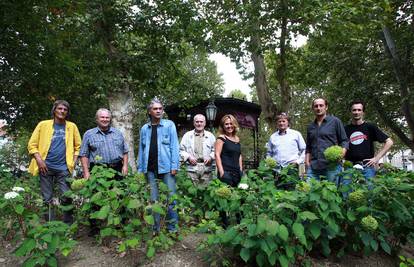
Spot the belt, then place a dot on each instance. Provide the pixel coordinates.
(361, 162)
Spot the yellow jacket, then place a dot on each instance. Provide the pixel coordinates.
(42, 138)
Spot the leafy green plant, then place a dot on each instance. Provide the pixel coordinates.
(42, 243)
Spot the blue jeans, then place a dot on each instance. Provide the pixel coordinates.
(172, 215)
(331, 174)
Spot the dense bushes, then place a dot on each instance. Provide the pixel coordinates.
(277, 227)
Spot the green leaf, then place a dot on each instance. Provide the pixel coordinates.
(366, 238)
(25, 248)
(19, 209)
(133, 204)
(30, 262)
(283, 261)
(106, 232)
(245, 254)
(150, 252)
(149, 219)
(251, 230)
(135, 222)
(374, 244)
(122, 247)
(315, 230)
(249, 243)
(260, 259)
(65, 252)
(52, 262)
(96, 197)
(283, 232)
(386, 247)
(307, 215)
(47, 238)
(290, 252)
(158, 209)
(229, 235)
(351, 215)
(299, 232)
(271, 227)
(261, 224)
(132, 242)
(102, 213)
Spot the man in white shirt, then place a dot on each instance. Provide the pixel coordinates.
(197, 151)
(286, 146)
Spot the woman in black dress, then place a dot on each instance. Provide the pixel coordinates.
(228, 155)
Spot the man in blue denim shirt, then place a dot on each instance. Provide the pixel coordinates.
(159, 158)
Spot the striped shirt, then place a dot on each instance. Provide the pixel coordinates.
(109, 146)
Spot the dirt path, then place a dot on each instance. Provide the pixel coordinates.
(183, 254)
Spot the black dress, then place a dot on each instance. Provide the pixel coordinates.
(230, 155)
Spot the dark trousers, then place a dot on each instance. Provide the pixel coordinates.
(47, 183)
(232, 178)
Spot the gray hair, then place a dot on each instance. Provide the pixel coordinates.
(155, 100)
(103, 110)
(198, 116)
(63, 103)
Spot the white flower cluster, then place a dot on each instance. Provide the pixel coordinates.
(11, 195)
(243, 186)
(18, 189)
(14, 193)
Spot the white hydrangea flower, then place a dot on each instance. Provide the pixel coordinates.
(18, 189)
(11, 195)
(243, 186)
(358, 167)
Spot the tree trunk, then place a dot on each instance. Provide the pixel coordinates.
(122, 107)
(269, 109)
(400, 70)
(285, 94)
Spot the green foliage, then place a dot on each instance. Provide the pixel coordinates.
(42, 243)
(280, 227)
(123, 209)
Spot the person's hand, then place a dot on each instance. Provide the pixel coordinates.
(370, 162)
(124, 169)
(192, 160)
(86, 174)
(207, 161)
(42, 166)
(221, 173)
(173, 172)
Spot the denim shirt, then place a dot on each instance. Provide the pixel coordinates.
(168, 148)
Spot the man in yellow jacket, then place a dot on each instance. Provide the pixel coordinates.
(54, 147)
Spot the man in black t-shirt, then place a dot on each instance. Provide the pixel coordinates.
(361, 136)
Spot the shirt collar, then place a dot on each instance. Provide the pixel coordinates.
(98, 130)
(285, 132)
(162, 122)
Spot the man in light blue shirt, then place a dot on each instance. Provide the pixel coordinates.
(286, 146)
(159, 158)
(104, 145)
